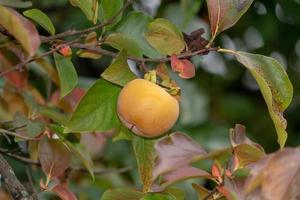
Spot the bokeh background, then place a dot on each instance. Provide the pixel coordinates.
(222, 94)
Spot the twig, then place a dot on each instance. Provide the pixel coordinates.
(18, 157)
(29, 60)
(33, 162)
(7, 132)
(14, 186)
(88, 30)
(99, 50)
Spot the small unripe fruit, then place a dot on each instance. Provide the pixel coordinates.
(146, 108)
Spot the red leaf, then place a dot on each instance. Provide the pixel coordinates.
(185, 68)
(63, 192)
(55, 158)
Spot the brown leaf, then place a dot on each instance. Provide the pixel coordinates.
(183, 173)
(175, 151)
(55, 158)
(279, 174)
(63, 192)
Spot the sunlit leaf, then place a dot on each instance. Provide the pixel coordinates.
(223, 14)
(165, 37)
(274, 84)
(89, 8)
(122, 194)
(145, 155)
(55, 158)
(21, 28)
(129, 35)
(41, 18)
(171, 155)
(16, 3)
(67, 74)
(63, 192)
(119, 72)
(96, 110)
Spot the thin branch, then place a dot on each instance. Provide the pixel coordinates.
(36, 163)
(88, 30)
(14, 186)
(99, 50)
(7, 132)
(20, 66)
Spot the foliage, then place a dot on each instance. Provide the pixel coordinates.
(62, 128)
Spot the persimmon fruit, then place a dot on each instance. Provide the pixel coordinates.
(146, 108)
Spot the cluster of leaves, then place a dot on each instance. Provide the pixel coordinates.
(55, 124)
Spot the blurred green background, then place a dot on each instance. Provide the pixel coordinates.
(222, 94)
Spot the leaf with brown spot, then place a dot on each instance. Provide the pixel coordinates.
(274, 84)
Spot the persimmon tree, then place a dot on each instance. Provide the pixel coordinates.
(57, 128)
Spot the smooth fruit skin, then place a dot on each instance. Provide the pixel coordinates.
(146, 108)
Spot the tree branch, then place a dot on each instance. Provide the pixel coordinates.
(88, 30)
(97, 49)
(33, 162)
(14, 186)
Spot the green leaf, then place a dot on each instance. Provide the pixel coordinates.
(274, 84)
(119, 72)
(223, 14)
(158, 196)
(165, 37)
(16, 3)
(129, 36)
(176, 192)
(67, 74)
(247, 154)
(123, 133)
(76, 148)
(21, 28)
(35, 127)
(41, 18)
(109, 9)
(145, 155)
(89, 8)
(97, 109)
(122, 194)
(83, 155)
